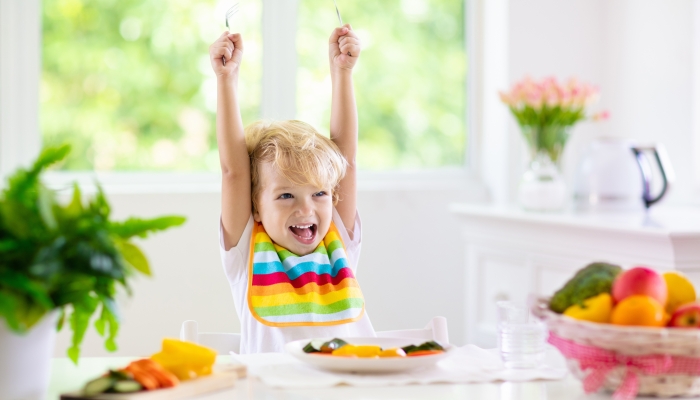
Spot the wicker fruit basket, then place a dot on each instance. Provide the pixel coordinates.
(630, 361)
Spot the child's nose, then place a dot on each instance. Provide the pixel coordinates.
(305, 208)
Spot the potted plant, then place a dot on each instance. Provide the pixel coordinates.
(61, 263)
(546, 111)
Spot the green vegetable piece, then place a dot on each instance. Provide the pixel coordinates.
(431, 345)
(331, 345)
(313, 346)
(592, 280)
(99, 385)
(127, 386)
(119, 375)
(309, 348)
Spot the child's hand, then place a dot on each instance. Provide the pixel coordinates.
(344, 47)
(229, 46)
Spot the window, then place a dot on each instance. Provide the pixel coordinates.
(128, 83)
(410, 80)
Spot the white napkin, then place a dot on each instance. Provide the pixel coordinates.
(468, 364)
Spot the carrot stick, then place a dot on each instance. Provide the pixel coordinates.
(164, 377)
(148, 381)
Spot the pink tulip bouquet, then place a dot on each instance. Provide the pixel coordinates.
(546, 109)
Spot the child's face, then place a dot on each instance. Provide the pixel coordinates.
(296, 217)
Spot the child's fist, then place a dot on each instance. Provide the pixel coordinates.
(228, 46)
(344, 47)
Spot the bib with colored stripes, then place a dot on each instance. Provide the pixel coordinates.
(318, 289)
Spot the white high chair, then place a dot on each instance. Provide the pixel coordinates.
(224, 343)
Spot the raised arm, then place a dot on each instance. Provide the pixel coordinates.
(343, 51)
(235, 165)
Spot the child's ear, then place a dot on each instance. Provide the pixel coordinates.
(256, 217)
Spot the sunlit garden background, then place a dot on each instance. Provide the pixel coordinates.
(128, 83)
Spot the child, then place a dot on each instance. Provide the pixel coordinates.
(290, 233)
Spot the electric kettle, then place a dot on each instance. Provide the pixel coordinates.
(617, 175)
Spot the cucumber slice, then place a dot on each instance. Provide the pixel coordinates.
(313, 346)
(127, 386)
(120, 375)
(99, 385)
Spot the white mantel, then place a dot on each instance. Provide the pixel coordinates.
(510, 253)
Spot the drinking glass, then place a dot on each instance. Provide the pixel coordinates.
(521, 336)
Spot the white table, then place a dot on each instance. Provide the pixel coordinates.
(66, 377)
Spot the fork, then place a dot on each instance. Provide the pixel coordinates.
(229, 14)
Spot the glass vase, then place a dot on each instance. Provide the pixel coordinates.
(542, 187)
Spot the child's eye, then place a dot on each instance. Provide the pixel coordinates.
(319, 194)
(285, 196)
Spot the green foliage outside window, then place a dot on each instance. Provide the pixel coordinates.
(128, 82)
(129, 85)
(410, 81)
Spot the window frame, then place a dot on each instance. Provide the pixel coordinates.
(20, 141)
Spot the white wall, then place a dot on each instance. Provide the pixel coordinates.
(410, 269)
(639, 52)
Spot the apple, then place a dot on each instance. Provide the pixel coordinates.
(686, 316)
(640, 281)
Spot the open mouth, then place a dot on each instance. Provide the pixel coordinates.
(305, 233)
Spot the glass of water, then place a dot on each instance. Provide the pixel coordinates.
(521, 336)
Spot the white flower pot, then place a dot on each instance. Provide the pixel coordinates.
(25, 360)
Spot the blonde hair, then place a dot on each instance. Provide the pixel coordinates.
(301, 154)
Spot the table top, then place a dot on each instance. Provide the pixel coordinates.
(658, 221)
(66, 377)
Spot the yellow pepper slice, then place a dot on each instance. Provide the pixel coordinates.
(184, 359)
(358, 351)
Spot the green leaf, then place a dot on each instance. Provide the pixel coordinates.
(45, 204)
(74, 353)
(142, 227)
(79, 321)
(61, 319)
(24, 285)
(75, 207)
(50, 155)
(9, 305)
(133, 255)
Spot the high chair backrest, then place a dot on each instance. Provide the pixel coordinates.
(435, 330)
(224, 343)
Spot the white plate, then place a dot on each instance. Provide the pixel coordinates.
(386, 364)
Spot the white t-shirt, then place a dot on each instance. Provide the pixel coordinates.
(257, 337)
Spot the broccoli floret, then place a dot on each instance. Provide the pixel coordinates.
(592, 280)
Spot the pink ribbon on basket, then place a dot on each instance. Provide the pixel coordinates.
(599, 363)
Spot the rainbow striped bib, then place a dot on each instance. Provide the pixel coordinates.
(318, 289)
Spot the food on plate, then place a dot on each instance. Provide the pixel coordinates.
(640, 281)
(393, 352)
(595, 309)
(176, 361)
(339, 347)
(686, 316)
(358, 351)
(590, 281)
(185, 360)
(680, 290)
(639, 310)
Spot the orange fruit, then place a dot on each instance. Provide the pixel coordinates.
(594, 309)
(680, 290)
(639, 310)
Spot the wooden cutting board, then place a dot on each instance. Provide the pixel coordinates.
(224, 376)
